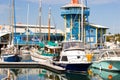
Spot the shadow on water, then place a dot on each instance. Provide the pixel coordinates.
(77, 76)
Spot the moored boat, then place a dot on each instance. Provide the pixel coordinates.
(45, 54)
(107, 60)
(10, 58)
(73, 56)
(10, 54)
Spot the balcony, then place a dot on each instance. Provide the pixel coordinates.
(75, 11)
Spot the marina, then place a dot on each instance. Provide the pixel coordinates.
(50, 67)
(82, 51)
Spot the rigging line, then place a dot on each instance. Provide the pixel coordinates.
(40, 19)
(34, 35)
(40, 14)
(77, 12)
(13, 20)
(10, 21)
(86, 4)
(14, 17)
(27, 22)
(54, 24)
(76, 15)
(82, 15)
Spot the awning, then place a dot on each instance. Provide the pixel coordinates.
(4, 33)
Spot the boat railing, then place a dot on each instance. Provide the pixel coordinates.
(71, 49)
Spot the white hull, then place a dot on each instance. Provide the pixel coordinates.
(73, 57)
(40, 58)
(107, 60)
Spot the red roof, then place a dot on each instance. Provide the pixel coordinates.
(74, 2)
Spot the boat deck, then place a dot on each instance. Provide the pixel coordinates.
(49, 67)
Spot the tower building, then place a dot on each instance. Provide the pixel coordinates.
(77, 25)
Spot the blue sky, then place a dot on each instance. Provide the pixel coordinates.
(102, 12)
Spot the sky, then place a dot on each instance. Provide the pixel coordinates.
(102, 12)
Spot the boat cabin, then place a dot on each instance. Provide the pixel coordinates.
(53, 49)
(67, 45)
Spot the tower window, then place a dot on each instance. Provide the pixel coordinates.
(91, 31)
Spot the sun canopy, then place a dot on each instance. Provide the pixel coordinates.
(51, 43)
(3, 33)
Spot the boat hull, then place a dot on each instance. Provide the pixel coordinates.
(75, 67)
(11, 58)
(40, 58)
(37, 59)
(107, 65)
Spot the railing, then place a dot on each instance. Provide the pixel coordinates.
(74, 11)
(26, 43)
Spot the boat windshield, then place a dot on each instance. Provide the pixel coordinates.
(109, 54)
(73, 45)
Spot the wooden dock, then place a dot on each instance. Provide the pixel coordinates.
(46, 66)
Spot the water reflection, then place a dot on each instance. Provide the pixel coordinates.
(38, 74)
(42, 74)
(7, 74)
(96, 74)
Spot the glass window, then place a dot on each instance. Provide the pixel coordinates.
(64, 58)
(91, 31)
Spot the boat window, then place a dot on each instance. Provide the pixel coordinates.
(104, 55)
(118, 53)
(64, 58)
(111, 54)
(69, 45)
(78, 57)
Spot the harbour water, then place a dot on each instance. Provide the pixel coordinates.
(39, 74)
(42, 74)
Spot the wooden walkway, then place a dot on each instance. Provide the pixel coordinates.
(46, 66)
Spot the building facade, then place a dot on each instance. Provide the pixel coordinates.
(77, 25)
(29, 34)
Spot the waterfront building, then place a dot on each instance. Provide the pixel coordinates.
(77, 25)
(30, 34)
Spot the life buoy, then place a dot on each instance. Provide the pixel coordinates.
(110, 77)
(110, 66)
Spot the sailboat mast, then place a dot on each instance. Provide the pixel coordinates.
(13, 13)
(10, 28)
(40, 14)
(27, 23)
(82, 16)
(49, 16)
